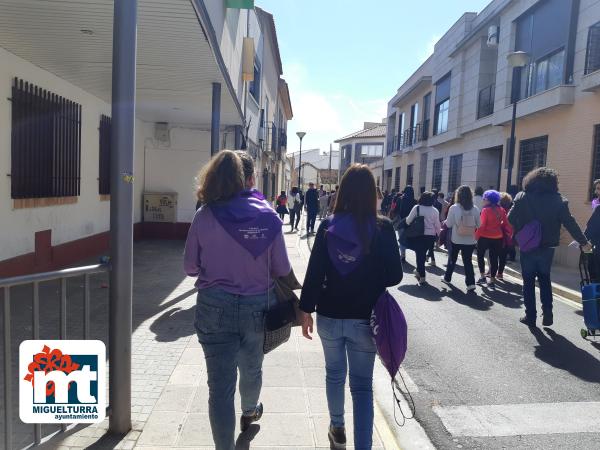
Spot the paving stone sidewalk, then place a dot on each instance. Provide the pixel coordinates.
(170, 395)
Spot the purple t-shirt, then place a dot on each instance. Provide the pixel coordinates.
(213, 256)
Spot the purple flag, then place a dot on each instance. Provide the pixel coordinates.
(344, 245)
(390, 332)
(249, 220)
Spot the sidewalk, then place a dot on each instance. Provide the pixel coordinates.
(169, 401)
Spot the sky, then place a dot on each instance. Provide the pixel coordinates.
(345, 59)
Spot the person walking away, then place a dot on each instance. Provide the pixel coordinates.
(592, 233)
(490, 236)
(295, 208)
(478, 198)
(541, 201)
(385, 204)
(463, 218)
(404, 207)
(332, 199)
(281, 205)
(312, 207)
(354, 258)
(445, 205)
(509, 248)
(596, 199)
(422, 244)
(233, 291)
(323, 201)
(379, 200)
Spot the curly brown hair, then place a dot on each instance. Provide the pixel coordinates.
(222, 178)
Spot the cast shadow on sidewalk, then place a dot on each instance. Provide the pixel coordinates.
(561, 353)
(470, 299)
(425, 292)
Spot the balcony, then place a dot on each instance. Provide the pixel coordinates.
(485, 101)
(415, 137)
(552, 98)
(591, 82)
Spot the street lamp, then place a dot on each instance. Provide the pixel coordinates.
(301, 135)
(516, 60)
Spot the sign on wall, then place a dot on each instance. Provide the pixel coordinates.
(160, 207)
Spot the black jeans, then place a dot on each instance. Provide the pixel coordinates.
(504, 255)
(294, 215)
(495, 248)
(311, 217)
(466, 252)
(421, 246)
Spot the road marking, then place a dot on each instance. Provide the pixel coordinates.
(521, 419)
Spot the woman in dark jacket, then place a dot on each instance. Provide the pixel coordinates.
(354, 258)
(406, 204)
(541, 201)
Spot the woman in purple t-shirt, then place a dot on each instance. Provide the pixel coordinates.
(235, 248)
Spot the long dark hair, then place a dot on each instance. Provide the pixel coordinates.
(357, 196)
(464, 197)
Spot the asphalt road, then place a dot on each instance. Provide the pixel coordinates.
(470, 351)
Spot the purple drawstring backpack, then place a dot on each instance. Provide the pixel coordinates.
(529, 237)
(390, 333)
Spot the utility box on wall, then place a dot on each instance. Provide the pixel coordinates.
(160, 207)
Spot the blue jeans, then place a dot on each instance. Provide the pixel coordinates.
(230, 329)
(537, 264)
(349, 342)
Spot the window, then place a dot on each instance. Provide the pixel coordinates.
(254, 87)
(104, 165)
(426, 115)
(592, 55)
(410, 174)
(442, 105)
(436, 182)
(45, 144)
(547, 46)
(371, 150)
(532, 155)
(455, 175)
(388, 180)
(485, 102)
(423, 171)
(414, 119)
(399, 142)
(596, 157)
(397, 179)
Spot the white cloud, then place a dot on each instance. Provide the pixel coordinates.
(325, 116)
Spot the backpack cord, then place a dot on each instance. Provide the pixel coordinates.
(396, 401)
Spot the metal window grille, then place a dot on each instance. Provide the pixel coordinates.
(409, 174)
(532, 155)
(455, 175)
(45, 143)
(397, 179)
(592, 56)
(485, 102)
(596, 158)
(436, 182)
(104, 164)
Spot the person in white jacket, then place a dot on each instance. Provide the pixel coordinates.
(463, 219)
(421, 244)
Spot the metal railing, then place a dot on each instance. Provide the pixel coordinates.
(35, 279)
(412, 136)
(485, 101)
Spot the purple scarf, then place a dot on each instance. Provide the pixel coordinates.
(344, 245)
(249, 220)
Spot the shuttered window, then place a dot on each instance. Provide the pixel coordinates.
(596, 157)
(410, 174)
(397, 179)
(592, 56)
(45, 143)
(104, 163)
(438, 165)
(532, 155)
(455, 175)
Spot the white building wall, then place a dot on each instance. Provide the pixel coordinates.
(89, 215)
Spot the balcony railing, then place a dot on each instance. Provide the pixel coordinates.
(485, 101)
(412, 136)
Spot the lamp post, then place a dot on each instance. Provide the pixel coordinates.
(516, 60)
(301, 135)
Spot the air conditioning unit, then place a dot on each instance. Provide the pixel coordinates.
(493, 36)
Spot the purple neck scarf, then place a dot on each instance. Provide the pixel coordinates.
(344, 245)
(249, 220)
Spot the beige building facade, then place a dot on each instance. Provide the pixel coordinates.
(467, 138)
